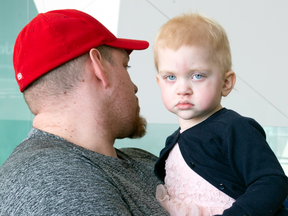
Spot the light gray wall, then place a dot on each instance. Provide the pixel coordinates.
(258, 35)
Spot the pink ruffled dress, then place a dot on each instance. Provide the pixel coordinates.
(186, 193)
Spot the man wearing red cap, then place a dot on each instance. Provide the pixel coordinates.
(73, 74)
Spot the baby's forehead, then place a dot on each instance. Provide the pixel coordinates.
(186, 51)
(187, 58)
(209, 50)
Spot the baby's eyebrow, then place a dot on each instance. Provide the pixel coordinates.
(166, 72)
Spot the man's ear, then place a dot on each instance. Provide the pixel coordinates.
(97, 65)
(229, 82)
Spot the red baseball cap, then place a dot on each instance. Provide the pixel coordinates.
(55, 37)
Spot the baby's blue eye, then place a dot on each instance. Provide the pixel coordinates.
(198, 76)
(171, 77)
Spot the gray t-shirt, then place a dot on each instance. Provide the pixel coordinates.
(47, 175)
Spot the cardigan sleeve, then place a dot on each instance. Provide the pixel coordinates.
(254, 163)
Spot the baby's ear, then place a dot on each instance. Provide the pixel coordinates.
(229, 82)
(157, 78)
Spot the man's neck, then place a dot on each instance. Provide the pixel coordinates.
(77, 129)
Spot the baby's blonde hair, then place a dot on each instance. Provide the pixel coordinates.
(194, 29)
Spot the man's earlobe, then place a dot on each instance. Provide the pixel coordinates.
(229, 82)
(98, 69)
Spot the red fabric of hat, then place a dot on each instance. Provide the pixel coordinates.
(55, 37)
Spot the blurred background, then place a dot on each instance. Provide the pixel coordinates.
(257, 31)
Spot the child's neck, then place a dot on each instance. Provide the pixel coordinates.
(186, 124)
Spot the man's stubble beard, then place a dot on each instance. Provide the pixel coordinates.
(139, 126)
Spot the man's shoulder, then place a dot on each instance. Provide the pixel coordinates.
(45, 171)
(41, 155)
(139, 154)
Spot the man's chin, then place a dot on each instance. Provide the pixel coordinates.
(139, 128)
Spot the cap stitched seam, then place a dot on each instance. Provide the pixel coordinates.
(57, 34)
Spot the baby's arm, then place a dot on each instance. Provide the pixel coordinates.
(256, 165)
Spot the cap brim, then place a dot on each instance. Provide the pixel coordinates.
(128, 44)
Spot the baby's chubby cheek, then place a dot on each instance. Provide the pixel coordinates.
(167, 101)
(208, 102)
